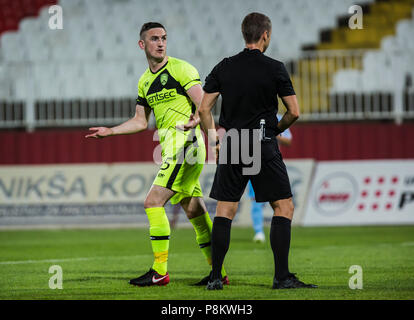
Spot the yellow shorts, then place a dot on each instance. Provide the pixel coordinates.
(181, 172)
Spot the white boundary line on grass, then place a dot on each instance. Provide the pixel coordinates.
(70, 259)
(95, 258)
(73, 226)
(126, 225)
(150, 255)
(407, 244)
(89, 258)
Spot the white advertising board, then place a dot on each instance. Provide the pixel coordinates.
(78, 195)
(104, 194)
(362, 193)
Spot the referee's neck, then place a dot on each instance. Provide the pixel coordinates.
(253, 46)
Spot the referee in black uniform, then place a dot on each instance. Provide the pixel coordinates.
(249, 84)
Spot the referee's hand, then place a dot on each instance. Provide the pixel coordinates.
(217, 149)
(191, 124)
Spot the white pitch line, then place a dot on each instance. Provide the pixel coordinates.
(69, 259)
(150, 255)
(93, 258)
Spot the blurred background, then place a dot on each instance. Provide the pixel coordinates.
(354, 88)
(350, 162)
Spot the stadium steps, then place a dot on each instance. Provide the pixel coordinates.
(380, 19)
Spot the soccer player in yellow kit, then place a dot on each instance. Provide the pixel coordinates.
(171, 88)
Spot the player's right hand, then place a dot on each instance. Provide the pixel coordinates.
(100, 132)
(191, 124)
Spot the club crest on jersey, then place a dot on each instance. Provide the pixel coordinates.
(164, 79)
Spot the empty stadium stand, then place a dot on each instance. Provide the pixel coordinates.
(86, 74)
(388, 70)
(333, 69)
(90, 36)
(90, 68)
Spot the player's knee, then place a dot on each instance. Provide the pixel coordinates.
(150, 202)
(194, 212)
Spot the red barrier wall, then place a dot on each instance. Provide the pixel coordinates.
(351, 141)
(327, 141)
(68, 146)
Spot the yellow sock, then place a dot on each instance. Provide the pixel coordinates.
(202, 227)
(160, 238)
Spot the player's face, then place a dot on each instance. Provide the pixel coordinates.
(155, 44)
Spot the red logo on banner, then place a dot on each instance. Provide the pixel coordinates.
(336, 193)
(378, 194)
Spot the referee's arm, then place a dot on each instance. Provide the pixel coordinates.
(206, 117)
(292, 112)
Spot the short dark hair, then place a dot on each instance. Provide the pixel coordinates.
(149, 25)
(253, 26)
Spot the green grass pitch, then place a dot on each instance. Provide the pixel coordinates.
(97, 264)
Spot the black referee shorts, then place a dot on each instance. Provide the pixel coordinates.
(270, 184)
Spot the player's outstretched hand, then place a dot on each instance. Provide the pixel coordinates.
(100, 132)
(192, 123)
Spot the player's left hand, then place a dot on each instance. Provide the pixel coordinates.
(192, 123)
(100, 132)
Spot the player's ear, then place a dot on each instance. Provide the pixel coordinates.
(141, 44)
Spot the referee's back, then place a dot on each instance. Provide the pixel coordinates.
(249, 83)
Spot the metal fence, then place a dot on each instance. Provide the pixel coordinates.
(12, 114)
(327, 84)
(83, 112)
(350, 85)
(66, 113)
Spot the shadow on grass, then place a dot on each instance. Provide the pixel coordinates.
(77, 295)
(250, 284)
(98, 278)
(115, 271)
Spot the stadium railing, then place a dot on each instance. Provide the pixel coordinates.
(330, 85)
(360, 94)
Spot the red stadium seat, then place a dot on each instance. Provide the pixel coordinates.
(29, 7)
(12, 12)
(11, 24)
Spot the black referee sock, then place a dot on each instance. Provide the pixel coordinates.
(280, 243)
(220, 242)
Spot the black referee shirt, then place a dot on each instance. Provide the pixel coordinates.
(249, 84)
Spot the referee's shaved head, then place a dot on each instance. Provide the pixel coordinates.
(147, 26)
(253, 26)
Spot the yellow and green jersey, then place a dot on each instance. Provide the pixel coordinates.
(165, 93)
(183, 152)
